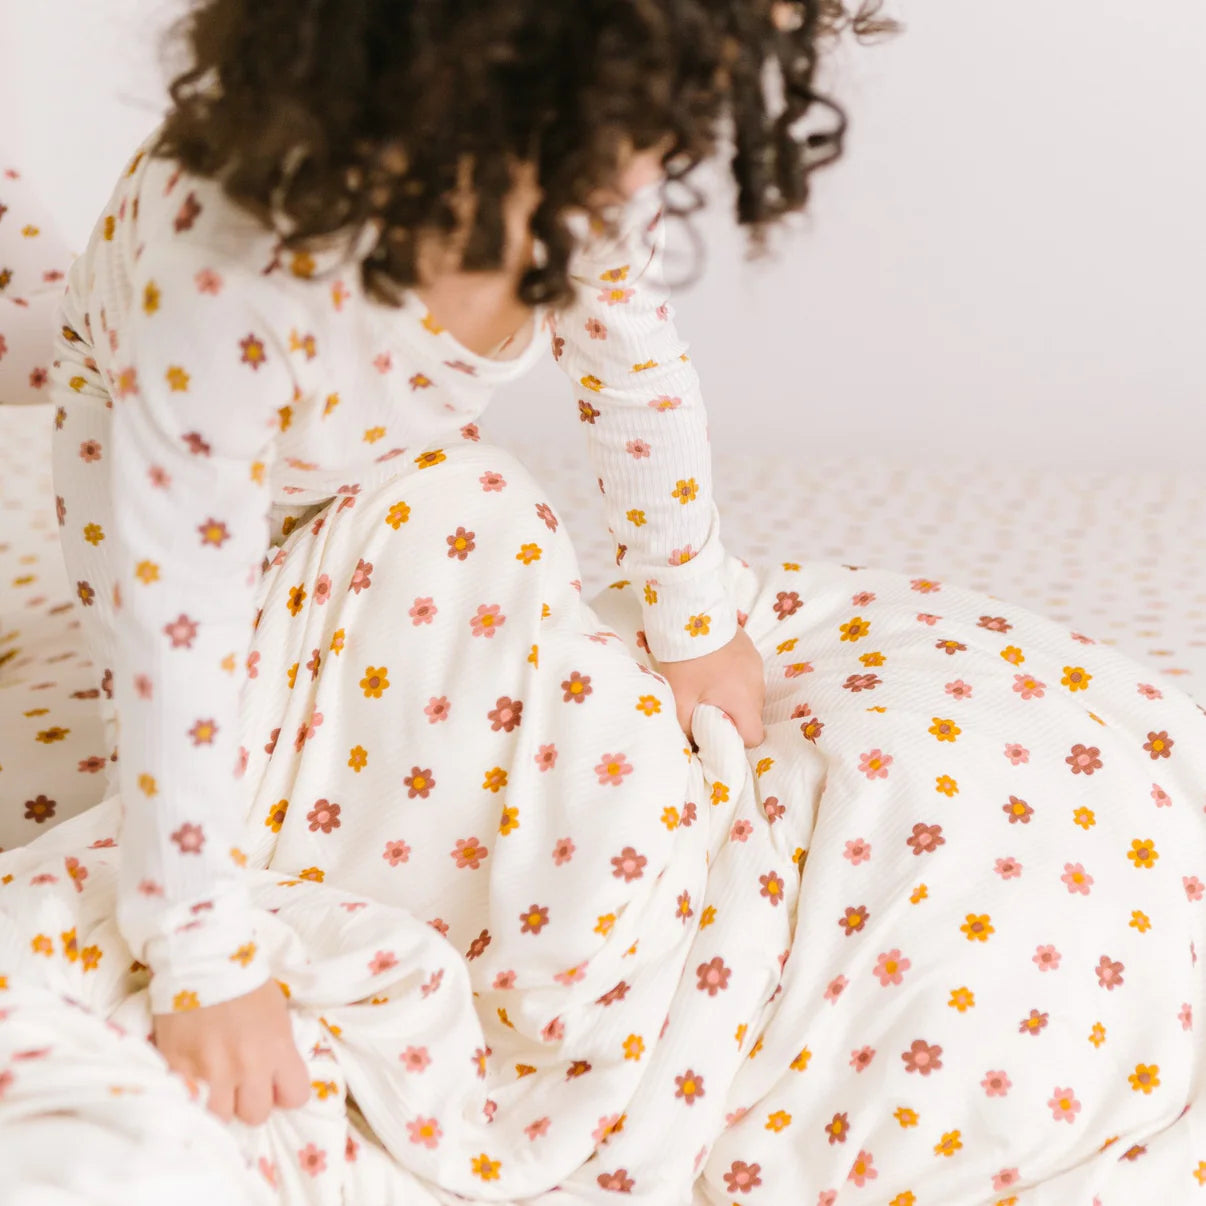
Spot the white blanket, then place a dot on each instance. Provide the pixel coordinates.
(543, 953)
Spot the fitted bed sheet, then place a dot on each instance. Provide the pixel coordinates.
(1119, 556)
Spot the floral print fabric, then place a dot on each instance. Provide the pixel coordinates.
(934, 941)
(212, 393)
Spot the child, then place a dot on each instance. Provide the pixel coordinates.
(357, 220)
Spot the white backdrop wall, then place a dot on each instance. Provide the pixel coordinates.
(1010, 262)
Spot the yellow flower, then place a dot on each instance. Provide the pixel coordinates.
(791, 565)
(184, 1000)
(238, 857)
(315, 874)
(330, 404)
(670, 817)
(778, 1120)
(399, 513)
(962, 999)
(285, 416)
(1097, 1035)
(375, 681)
(698, 625)
(485, 1168)
(1085, 818)
(634, 1047)
(604, 923)
(297, 598)
(276, 815)
(707, 917)
(510, 820)
(51, 735)
(358, 758)
(495, 779)
(685, 491)
(1076, 678)
(150, 297)
(636, 518)
(800, 1063)
(649, 704)
(257, 473)
(1140, 921)
(42, 944)
(291, 675)
(612, 275)
(146, 572)
(645, 365)
(740, 1035)
(919, 894)
(94, 533)
(528, 553)
(944, 730)
(720, 793)
(650, 594)
(1145, 1078)
(337, 640)
(905, 1198)
(373, 434)
(1013, 655)
(950, 1143)
(947, 786)
(591, 382)
(1143, 853)
(786, 646)
(90, 958)
(977, 927)
(244, 954)
(177, 379)
(762, 766)
(147, 785)
(906, 1117)
(855, 630)
(429, 459)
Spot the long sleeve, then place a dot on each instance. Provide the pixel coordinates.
(33, 266)
(196, 377)
(639, 400)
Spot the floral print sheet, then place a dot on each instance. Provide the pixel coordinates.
(934, 942)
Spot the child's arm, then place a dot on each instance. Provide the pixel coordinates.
(639, 399)
(33, 267)
(195, 377)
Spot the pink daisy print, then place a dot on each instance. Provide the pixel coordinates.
(1193, 887)
(857, 851)
(1028, 687)
(959, 689)
(469, 852)
(1160, 797)
(637, 449)
(504, 980)
(415, 1059)
(312, 1159)
(612, 769)
(1005, 1179)
(996, 1084)
(1017, 754)
(890, 968)
(538, 1129)
(1077, 879)
(423, 611)
(563, 851)
(835, 989)
(1150, 692)
(424, 1131)
(488, 620)
(741, 831)
(861, 1059)
(1047, 958)
(546, 757)
(492, 482)
(863, 1169)
(382, 961)
(396, 852)
(438, 708)
(874, 764)
(1008, 868)
(1064, 1106)
(1185, 1017)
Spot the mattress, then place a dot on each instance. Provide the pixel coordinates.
(1119, 556)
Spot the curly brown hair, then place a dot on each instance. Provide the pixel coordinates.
(325, 117)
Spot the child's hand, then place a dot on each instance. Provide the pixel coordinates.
(730, 678)
(243, 1049)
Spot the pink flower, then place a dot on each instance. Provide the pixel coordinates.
(861, 1059)
(1016, 753)
(1028, 687)
(1077, 879)
(1150, 692)
(312, 1160)
(488, 620)
(1185, 1016)
(858, 851)
(1161, 797)
(425, 1131)
(629, 865)
(492, 482)
(415, 1059)
(362, 576)
(890, 968)
(396, 852)
(437, 709)
(1008, 868)
(613, 768)
(836, 987)
(863, 1169)
(862, 599)
(742, 1177)
(546, 757)
(741, 831)
(595, 329)
(382, 961)
(1047, 958)
(959, 689)
(924, 617)
(535, 1130)
(1005, 1178)
(925, 586)
(605, 1128)
(1064, 1106)
(1193, 887)
(563, 851)
(208, 281)
(469, 852)
(874, 764)
(1109, 973)
(504, 980)
(664, 402)
(996, 1084)
(637, 449)
(571, 976)
(713, 977)
(423, 612)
